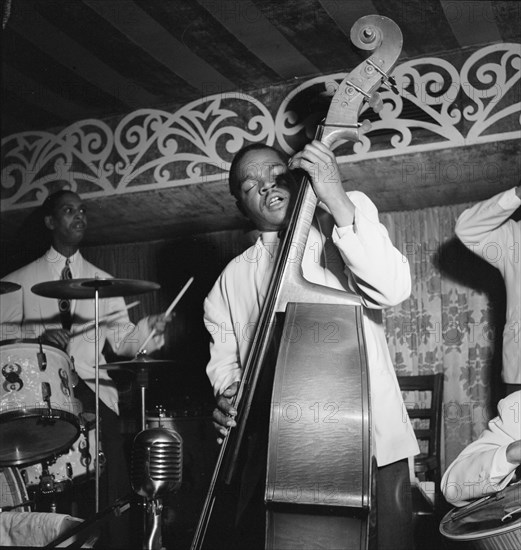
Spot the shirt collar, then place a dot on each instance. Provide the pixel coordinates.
(57, 261)
(270, 241)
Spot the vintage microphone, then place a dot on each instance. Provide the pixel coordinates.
(156, 468)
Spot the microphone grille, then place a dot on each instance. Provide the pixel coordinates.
(157, 462)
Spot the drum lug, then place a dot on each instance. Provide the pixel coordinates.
(25, 478)
(102, 460)
(47, 482)
(41, 357)
(46, 393)
(74, 375)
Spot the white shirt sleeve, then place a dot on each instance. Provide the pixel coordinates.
(223, 368)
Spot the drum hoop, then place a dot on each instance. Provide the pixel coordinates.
(178, 414)
(26, 412)
(482, 535)
(487, 533)
(31, 341)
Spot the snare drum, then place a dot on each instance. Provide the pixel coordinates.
(493, 522)
(76, 465)
(38, 411)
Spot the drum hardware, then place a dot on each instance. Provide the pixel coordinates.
(41, 357)
(50, 489)
(141, 363)
(23, 504)
(509, 515)
(140, 366)
(76, 465)
(13, 494)
(94, 289)
(84, 289)
(74, 375)
(491, 522)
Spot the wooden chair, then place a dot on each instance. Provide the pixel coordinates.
(427, 465)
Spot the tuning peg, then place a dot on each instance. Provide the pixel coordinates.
(364, 127)
(375, 102)
(391, 85)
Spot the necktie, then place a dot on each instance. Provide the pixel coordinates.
(64, 303)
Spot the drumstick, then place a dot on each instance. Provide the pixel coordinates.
(86, 326)
(167, 313)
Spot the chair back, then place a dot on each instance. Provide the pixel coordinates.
(426, 431)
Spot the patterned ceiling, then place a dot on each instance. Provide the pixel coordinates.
(67, 60)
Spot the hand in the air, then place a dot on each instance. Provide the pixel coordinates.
(224, 414)
(158, 322)
(58, 337)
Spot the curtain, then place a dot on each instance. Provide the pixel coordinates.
(451, 324)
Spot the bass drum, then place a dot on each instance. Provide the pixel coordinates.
(490, 523)
(182, 508)
(12, 491)
(38, 411)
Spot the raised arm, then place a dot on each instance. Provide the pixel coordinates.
(377, 271)
(484, 223)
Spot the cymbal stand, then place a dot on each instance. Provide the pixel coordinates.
(142, 379)
(151, 511)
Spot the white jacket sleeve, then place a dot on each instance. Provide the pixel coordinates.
(223, 368)
(482, 467)
(484, 227)
(377, 271)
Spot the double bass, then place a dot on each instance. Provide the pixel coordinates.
(320, 467)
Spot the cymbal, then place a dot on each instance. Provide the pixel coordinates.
(6, 286)
(140, 363)
(77, 289)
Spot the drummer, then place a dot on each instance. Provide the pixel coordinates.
(490, 463)
(68, 324)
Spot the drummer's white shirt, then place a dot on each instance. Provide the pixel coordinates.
(25, 315)
(368, 264)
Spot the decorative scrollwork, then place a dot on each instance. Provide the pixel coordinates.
(196, 142)
(438, 106)
(77, 157)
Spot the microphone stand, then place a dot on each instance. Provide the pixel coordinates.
(142, 379)
(96, 392)
(156, 468)
(153, 540)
